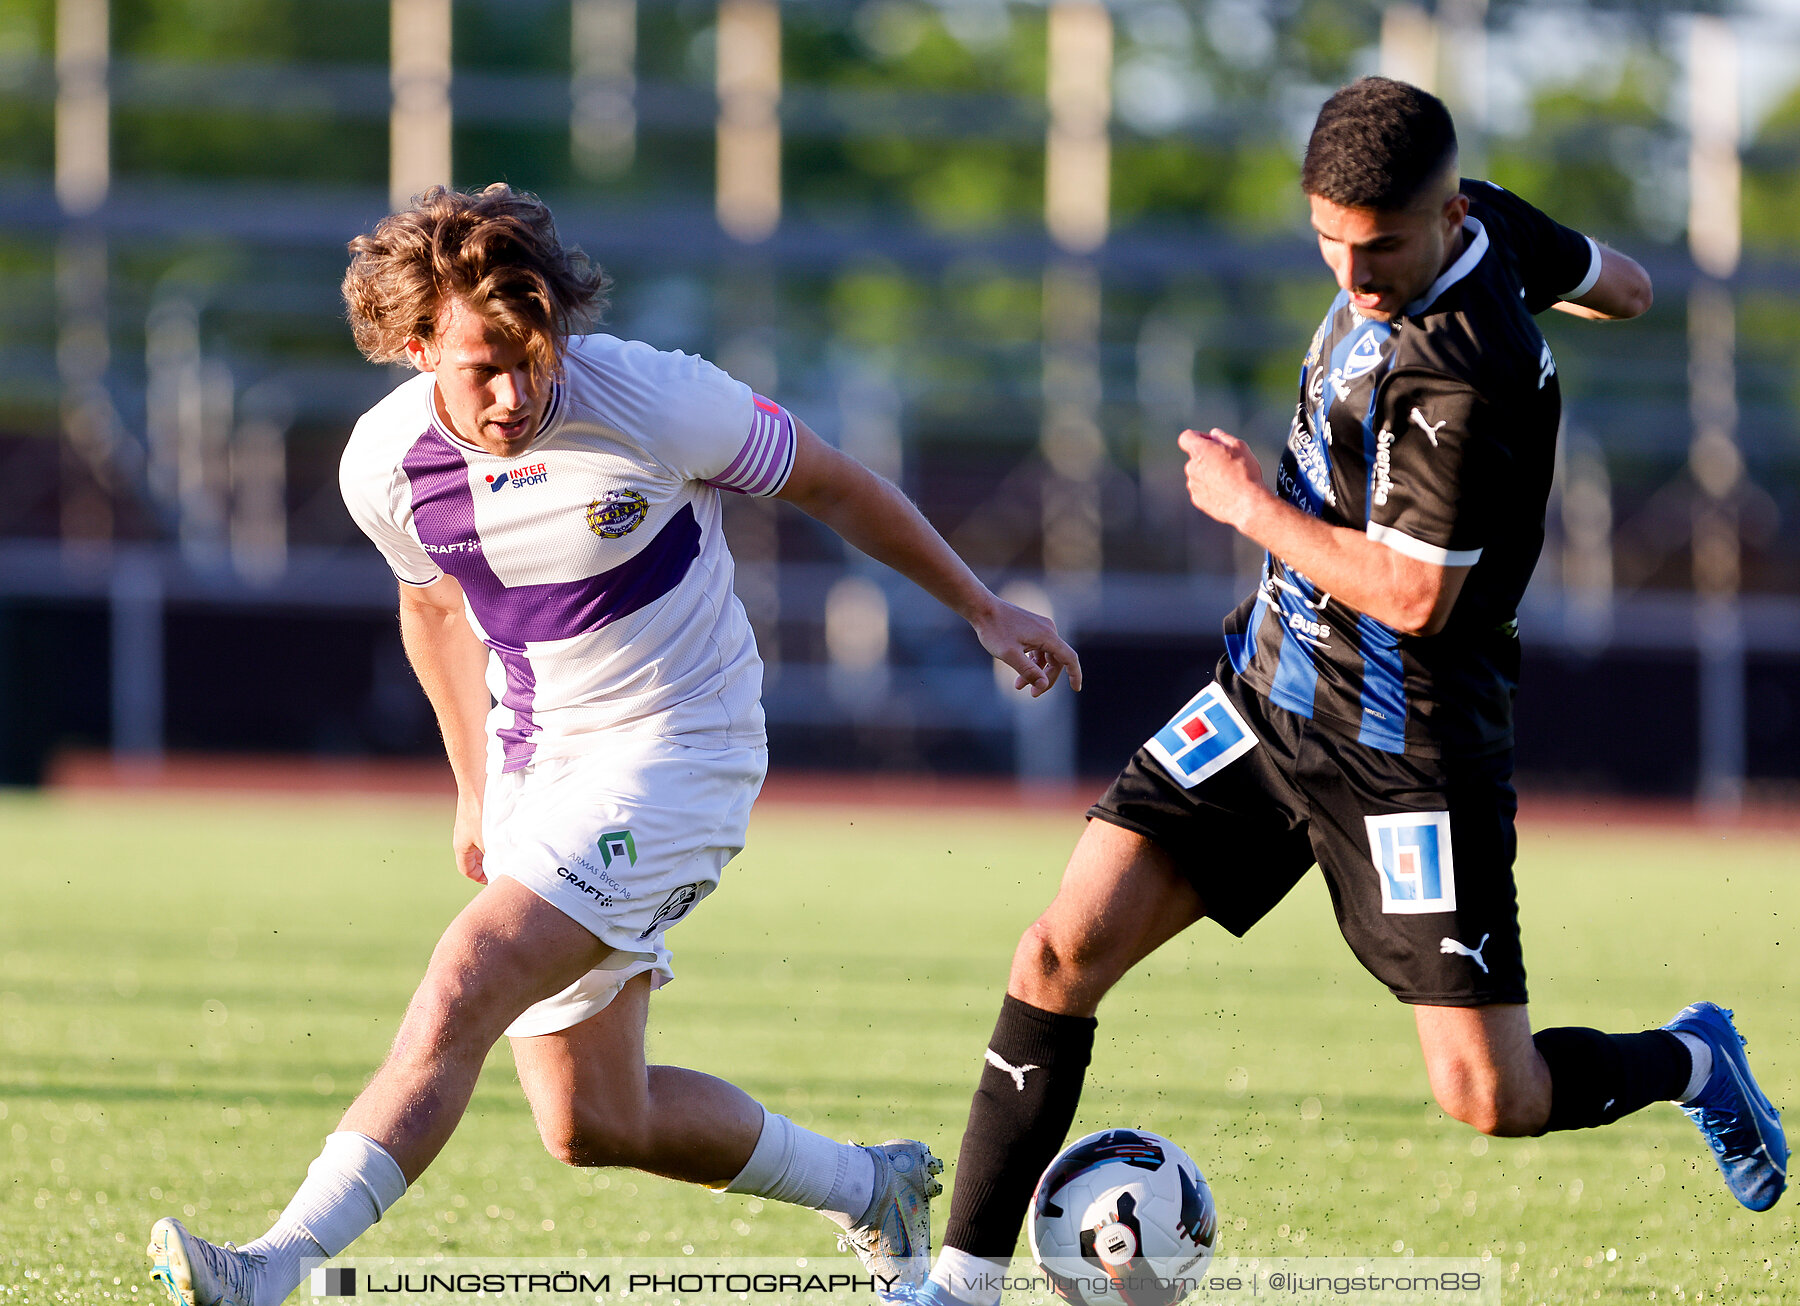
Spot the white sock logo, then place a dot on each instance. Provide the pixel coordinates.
(1430, 428)
(1448, 946)
(999, 1062)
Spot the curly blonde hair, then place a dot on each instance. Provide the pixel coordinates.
(496, 249)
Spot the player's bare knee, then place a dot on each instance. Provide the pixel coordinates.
(1050, 962)
(1465, 1093)
(1058, 970)
(1485, 1102)
(1037, 956)
(1480, 1112)
(589, 1139)
(574, 1147)
(449, 1011)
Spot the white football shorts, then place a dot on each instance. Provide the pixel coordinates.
(624, 839)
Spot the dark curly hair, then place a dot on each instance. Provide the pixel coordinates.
(1377, 144)
(496, 249)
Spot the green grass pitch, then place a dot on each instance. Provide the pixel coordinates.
(191, 991)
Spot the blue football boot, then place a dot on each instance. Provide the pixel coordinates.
(1734, 1116)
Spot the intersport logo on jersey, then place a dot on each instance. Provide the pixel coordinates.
(536, 474)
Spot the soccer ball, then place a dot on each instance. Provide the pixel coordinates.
(1123, 1218)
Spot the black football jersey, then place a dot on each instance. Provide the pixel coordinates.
(1435, 435)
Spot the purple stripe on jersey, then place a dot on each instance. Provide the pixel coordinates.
(744, 455)
(515, 615)
(762, 465)
(781, 455)
(516, 741)
(766, 434)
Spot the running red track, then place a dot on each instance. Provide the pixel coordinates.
(96, 772)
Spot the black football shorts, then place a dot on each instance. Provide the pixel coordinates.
(1417, 852)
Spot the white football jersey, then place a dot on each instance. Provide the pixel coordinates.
(592, 564)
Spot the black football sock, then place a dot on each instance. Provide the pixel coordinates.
(1022, 1111)
(1595, 1078)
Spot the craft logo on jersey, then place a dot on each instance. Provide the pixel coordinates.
(616, 513)
(536, 474)
(1411, 852)
(617, 843)
(1205, 735)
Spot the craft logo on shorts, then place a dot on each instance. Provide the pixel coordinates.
(617, 843)
(536, 474)
(1411, 852)
(674, 907)
(616, 513)
(330, 1282)
(1205, 735)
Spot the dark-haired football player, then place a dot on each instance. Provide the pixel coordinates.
(1361, 718)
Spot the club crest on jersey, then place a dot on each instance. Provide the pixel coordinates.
(1364, 357)
(1411, 852)
(520, 477)
(616, 513)
(1203, 737)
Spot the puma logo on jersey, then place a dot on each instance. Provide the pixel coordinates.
(1546, 366)
(1448, 946)
(1018, 1073)
(1430, 428)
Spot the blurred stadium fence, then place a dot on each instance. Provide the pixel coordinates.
(777, 186)
(140, 651)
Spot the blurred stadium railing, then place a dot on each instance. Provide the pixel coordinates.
(1004, 280)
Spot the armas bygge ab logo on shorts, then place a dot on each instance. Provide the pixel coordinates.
(1411, 852)
(1204, 736)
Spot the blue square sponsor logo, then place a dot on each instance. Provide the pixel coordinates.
(1411, 852)
(1204, 736)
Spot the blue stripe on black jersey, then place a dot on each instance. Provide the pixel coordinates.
(1384, 679)
(1361, 353)
(1241, 649)
(1383, 686)
(1296, 674)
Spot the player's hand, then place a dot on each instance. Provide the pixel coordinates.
(1029, 644)
(1224, 479)
(465, 838)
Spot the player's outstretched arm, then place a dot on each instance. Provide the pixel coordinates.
(1621, 290)
(871, 514)
(451, 664)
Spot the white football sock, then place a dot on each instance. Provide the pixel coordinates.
(347, 1188)
(792, 1164)
(288, 1253)
(970, 1278)
(1701, 1051)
